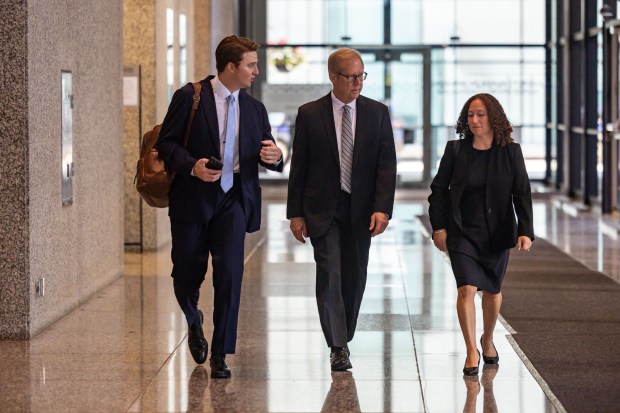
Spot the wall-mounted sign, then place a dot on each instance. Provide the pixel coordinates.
(131, 86)
(66, 147)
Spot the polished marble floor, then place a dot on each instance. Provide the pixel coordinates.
(125, 349)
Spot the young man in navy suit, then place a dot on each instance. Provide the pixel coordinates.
(210, 208)
(341, 193)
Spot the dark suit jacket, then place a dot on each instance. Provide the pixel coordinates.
(314, 181)
(508, 191)
(191, 199)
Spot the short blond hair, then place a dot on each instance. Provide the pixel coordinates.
(339, 55)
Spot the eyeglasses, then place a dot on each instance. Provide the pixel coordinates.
(351, 78)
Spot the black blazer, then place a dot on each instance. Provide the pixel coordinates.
(314, 181)
(191, 199)
(508, 192)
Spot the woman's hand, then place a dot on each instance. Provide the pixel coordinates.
(439, 239)
(524, 243)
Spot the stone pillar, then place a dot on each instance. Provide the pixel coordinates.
(14, 246)
(139, 23)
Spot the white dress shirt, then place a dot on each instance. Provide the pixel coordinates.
(221, 94)
(338, 109)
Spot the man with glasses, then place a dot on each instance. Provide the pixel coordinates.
(341, 193)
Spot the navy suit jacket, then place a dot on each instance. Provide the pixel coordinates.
(191, 199)
(508, 192)
(314, 181)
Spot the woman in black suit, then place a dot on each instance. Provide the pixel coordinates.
(480, 185)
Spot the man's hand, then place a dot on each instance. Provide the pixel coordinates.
(270, 153)
(298, 228)
(524, 243)
(439, 239)
(201, 171)
(378, 223)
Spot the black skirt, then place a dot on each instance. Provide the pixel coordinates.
(485, 271)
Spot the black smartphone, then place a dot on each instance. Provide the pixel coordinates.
(214, 163)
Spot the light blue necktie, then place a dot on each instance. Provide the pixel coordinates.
(229, 145)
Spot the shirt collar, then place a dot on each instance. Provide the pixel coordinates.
(221, 90)
(338, 104)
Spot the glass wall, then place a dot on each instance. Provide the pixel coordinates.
(492, 46)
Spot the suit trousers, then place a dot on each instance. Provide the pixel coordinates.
(341, 257)
(222, 237)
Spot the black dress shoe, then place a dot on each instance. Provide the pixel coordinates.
(198, 346)
(488, 359)
(340, 359)
(471, 371)
(346, 348)
(219, 368)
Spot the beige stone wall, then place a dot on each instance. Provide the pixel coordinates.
(77, 248)
(202, 39)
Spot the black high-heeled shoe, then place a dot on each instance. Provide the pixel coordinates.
(487, 359)
(472, 371)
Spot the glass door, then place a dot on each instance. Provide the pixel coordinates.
(613, 129)
(409, 83)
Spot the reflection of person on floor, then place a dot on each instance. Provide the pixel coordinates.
(488, 374)
(473, 388)
(222, 399)
(342, 395)
(196, 389)
(489, 405)
(480, 185)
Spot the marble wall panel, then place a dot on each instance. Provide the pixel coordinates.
(78, 249)
(14, 220)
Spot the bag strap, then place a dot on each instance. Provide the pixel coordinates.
(196, 99)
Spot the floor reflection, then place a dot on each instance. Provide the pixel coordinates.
(198, 382)
(473, 388)
(223, 399)
(489, 371)
(342, 395)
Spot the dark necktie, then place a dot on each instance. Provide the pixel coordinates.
(346, 150)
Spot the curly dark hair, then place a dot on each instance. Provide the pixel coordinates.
(497, 119)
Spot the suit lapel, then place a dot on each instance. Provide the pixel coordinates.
(361, 119)
(244, 111)
(207, 105)
(492, 173)
(462, 163)
(327, 115)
